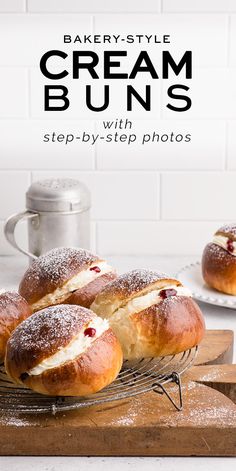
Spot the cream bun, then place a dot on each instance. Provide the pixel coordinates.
(64, 350)
(65, 275)
(151, 313)
(13, 310)
(219, 260)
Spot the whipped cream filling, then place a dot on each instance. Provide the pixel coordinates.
(78, 281)
(222, 241)
(140, 303)
(78, 346)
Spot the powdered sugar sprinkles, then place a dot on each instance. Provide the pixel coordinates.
(50, 329)
(134, 281)
(228, 229)
(58, 264)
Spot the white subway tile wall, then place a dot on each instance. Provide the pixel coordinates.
(13, 185)
(160, 237)
(232, 45)
(22, 146)
(198, 196)
(118, 195)
(7, 6)
(14, 97)
(196, 6)
(94, 6)
(149, 196)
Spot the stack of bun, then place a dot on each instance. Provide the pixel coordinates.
(73, 321)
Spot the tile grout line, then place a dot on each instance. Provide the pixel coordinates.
(95, 150)
(136, 172)
(160, 196)
(123, 12)
(29, 93)
(153, 221)
(226, 156)
(96, 236)
(228, 40)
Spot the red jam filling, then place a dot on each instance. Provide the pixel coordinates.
(96, 269)
(230, 245)
(90, 332)
(167, 293)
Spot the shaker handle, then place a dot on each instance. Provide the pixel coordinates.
(9, 230)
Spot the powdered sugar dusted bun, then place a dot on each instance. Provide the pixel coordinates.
(219, 260)
(228, 230)
(65, 275)
(151, 313)
(127, 286)
(64, 350)
(13, 310)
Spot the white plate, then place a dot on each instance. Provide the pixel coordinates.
(191, 277)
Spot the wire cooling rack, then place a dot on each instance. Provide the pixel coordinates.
(135, 378)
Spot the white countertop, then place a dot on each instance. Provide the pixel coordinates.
(11, 269)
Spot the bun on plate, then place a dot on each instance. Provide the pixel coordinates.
(219, 260)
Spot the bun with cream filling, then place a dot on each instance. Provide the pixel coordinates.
(65, 275)
(151, 313)
(64, 350)
(219, 260)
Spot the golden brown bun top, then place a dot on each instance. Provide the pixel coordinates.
(229, 230)
(7, 298)
(131, 284)
(176, 324)
(45, 332)
(13, 310)
(52, 270)
(217, 258)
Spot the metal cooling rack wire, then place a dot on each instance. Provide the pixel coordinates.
(136, 377)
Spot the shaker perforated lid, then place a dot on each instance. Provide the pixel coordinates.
(59, 194)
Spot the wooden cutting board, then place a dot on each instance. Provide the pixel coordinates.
(145, 425)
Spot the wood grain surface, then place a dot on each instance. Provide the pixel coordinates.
(145, 425)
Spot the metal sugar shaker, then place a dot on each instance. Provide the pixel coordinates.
(58, 215)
